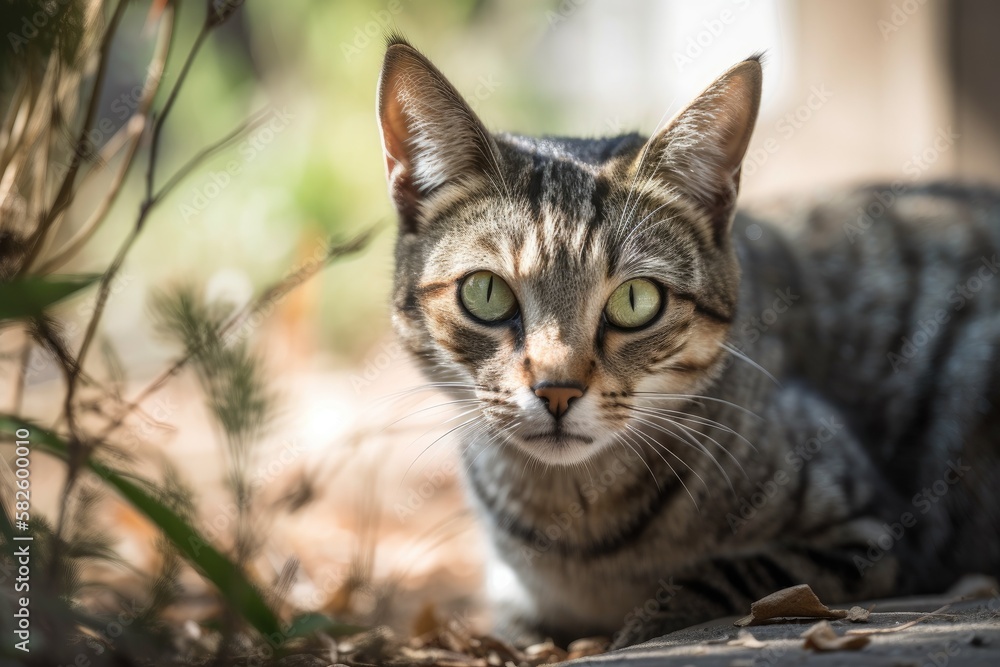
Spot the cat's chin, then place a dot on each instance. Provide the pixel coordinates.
(559, 449)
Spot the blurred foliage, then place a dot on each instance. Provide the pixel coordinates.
(316, 168)
(32, 294)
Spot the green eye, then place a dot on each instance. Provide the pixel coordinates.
(634, 303)
(487, 297)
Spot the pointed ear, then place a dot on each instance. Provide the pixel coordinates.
(430, 136)
(702, 148)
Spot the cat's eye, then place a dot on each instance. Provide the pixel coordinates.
(487, 297)
(633, 304)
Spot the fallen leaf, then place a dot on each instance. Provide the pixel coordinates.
(545, 652)
(426, 621)
(797, 602)
(440, 657)
(822, 637)
(858, 615)
(587, 646)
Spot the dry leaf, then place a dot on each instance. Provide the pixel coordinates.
(821, 637)
(505, 651)
(545, 652)
(796, 602)
(440, 657)
(426, 621)
(857, 615)
(587, 646)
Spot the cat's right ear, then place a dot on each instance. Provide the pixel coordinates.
(430, 136)
(701, 150)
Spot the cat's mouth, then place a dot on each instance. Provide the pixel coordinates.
(558, 438)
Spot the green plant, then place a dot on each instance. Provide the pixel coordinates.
(53, 83)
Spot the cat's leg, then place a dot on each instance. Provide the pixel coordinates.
(828, 506)
(727, 586)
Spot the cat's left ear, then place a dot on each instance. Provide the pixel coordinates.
(701, 150)
(430, 136)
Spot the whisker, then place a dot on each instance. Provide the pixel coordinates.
(641, 458)
(696, 397)
(691, 442)
(431, 407)
(438, 439)
(695, 419)
(695, 432)
(424, 387)
(736, 353)
(637, 432)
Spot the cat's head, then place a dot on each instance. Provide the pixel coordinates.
(550, 282)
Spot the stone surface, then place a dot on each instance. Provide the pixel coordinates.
(966, 634)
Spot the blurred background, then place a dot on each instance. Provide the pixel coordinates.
(855, 91)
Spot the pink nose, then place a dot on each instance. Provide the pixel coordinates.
(558, 397)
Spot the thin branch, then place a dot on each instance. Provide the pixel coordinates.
(266, 298)
(22, 372)
(167, 106)
(65, 194)
(133, 131)
(76, 446)
(251, 123)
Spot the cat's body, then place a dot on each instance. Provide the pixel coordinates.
(636, 471)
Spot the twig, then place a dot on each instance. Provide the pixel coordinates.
(76, 445)
(898, 628)
(167, 106)
(249, 124)
(133, 131)
(65, 194)
(273, 293)
(22, 371)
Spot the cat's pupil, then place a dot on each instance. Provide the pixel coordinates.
(489, 290)
(631, 296)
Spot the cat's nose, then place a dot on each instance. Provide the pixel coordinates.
(557, 396)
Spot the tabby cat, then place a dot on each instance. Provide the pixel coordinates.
(671, 410)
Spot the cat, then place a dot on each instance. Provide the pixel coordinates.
(671, 409)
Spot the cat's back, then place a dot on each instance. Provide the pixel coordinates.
(902, 288)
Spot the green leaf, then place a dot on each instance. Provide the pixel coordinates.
(31, 295)
(231, 581)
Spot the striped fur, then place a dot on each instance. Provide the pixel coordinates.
(857, 450)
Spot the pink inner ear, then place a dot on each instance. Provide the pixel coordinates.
(395, 134)
(739, 114)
